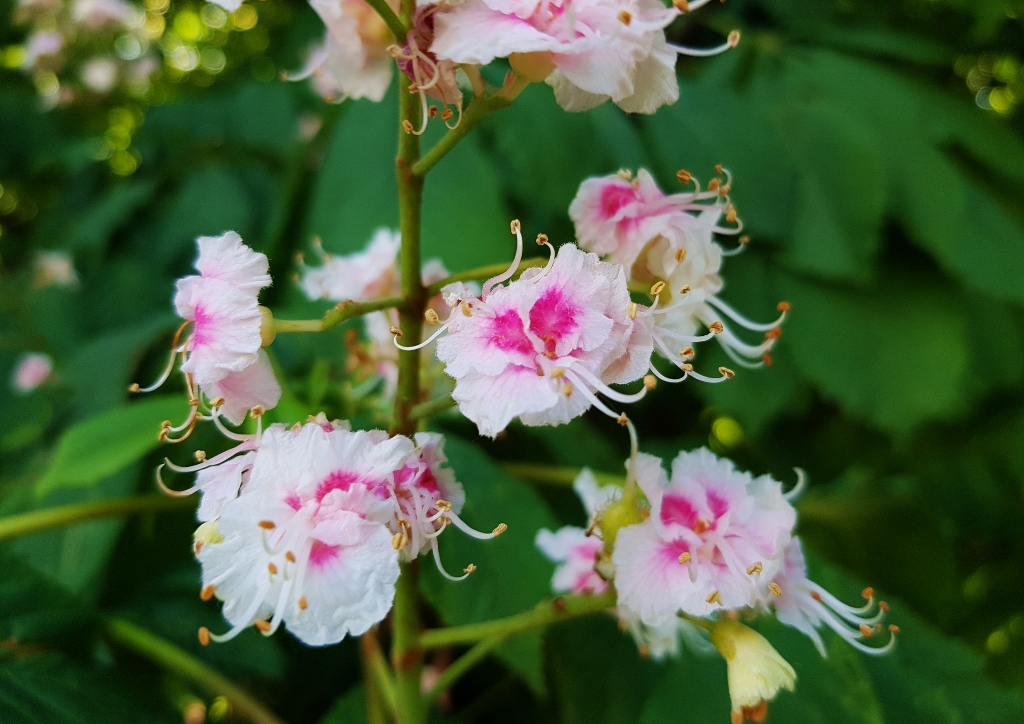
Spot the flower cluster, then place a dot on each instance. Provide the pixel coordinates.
(226, 371)
(306, 525)
(68, 47)
(706, 545)
(670, 240)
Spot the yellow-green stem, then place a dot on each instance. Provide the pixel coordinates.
(556, 475)
(406, 652)
(38, 520)
(342, 312)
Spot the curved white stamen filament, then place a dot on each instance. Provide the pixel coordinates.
(853, 614)
(176, 493)
(735, 316)
(473, 532)
(508, 273)
(441, 330)
(799, 488)
(440, 567)
(662, 331)
(599, 386)
(215, 460)
(170, 362)
(701, 52)
(230, 434)
(249, 617)
(579, 386)
(742, 361)
(672, 380)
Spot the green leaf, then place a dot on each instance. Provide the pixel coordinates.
(99, 222)
(106, 443)
(511, 574)
(349, 708)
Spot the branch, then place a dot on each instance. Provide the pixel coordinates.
(38, 520)
(342, 312)
(544, 613)
(480, 108)
(462, 665)
(555, 475)
(482, 273)
(378, 675)
(431, 408)
(398, 28)
(174, 659)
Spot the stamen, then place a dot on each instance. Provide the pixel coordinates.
(303, 604)
(713, 597)
(755, 568)
(431, 316)
(207, 593)
(775, 588)
(685, 557)
(204, 636)
(440, 330)
(263, 626)
(799, 488)
(167, 370)
(516, 229)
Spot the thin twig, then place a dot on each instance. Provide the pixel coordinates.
(432, 407)
(63, 515)
(557, 475)
(342, 312)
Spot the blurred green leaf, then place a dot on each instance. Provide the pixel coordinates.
(349, 708)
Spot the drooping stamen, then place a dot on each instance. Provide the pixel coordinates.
(440, 567)
(461, 525)
(176, 493)
(579, 386)
(735, 316)
(248, 618)
(170, 364)
(732, 41)
(516, 228)
(596, 383)
(440, 330)
(799, 488)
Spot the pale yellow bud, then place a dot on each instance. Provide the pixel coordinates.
(756, 671)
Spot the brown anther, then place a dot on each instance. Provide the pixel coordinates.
(734, 38)
(193, 403)
(204, 636)
(540, 372)
(744, 240)
(644, 650)
(716, 327)
(657, 288)
(557, 372)
(542, 239)
(469, 569)
(773, 333)
(868, 593)
(866, 630)
(625, 17)
(515, 226)
(724, 191)
(680, 255)
(816, 596)
(467, 311)
(894, 629)
(134, 387)
(200, 455)
(650, 382)
(289, 556)
(726, 373)
(446, 114)
(257, 411)
(395, 331)
(687, 353)
(431, 316)
(701, 526)
(207, 593)
(631, 310)
(559, 605)
(683, 175)
(442, 505)
(714, 184)
(567, 389)
(622, 419)
(407, 126)
(755, 568)
(272, 568)
(730, 214)
(266, 524)
(501, 528)
(432, 112)
(784, 306)
(303, 603)
(767, 359)
(398, 541)
(263, 626)
(216, 402)
(718, 168)
(883, 606)
(686, 367)
(775, 588)
(685, 557)
(713, 597)
(685, 289)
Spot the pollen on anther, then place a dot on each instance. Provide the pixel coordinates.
(622, 419)
(625, 17)
(267, 524)
(431, 316)
(134, 387)
(894, 629)
(567, 389)
(767, 359)
(734, 38)
(272, 568)
(469, 569)
(289, 556)
(683, 175)
(467, 311)
(432, 112)
(716, 327)
(501, 528)
(407, 126)
(686, 367)
(631, 310)
(714, 183)
(263, 626)
(755, 568)
(775, 588)
(216, 402)
(744, 240)
(644, 650)
(883, 606)
(816, 596)
(515, 226)
(557, 372)
(204, 636)
(726, 372)
(866, 630)
(687, 352)
(718, 168)
(200, 455)
(257, 411)
(650, 382)
(303, 603)
(713, 597)
(207, 593)
(784, 306)
(542, 239)
(685, 557)
(685, 289)
(680, 255)
(868, 593)
(398, 541)
(446, 114)
(395, 331)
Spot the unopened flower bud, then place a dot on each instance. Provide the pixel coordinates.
(756, 671)
(267, 331)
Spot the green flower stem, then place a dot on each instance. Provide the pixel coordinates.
(482, 273)
(63, 515)
(480, 108)
(431, 408)
(179, 662)
(382, 705)
(342, 312)
(398, 28)
(555, 475)
(544, 613)
(462, 665)
(406, 653)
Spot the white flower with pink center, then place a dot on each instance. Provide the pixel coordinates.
(576, 553)
(589, 51)
(713, 536)
(431, 77)
(543, 347)
(362, 276)
(670, 241)
(352, 61)
(222, 356)
(32, 370)
(306, 543)
(806, 606)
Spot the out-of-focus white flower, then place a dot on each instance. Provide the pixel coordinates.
(100, 13)
(99, 74)
(42, 45)
(32, 370)
(55, 268)
(362, 276)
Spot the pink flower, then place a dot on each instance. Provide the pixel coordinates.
(362, 276)
(430, 76)
(541, 348)
(806, 606)
(32, 370)
(713, 535)
(352, 61)
(222, 355)
(589, 51)
(670, 240)
(42, 45)
(576, 553)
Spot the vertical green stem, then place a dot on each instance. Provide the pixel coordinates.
(406, 654)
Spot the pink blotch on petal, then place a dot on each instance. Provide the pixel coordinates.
(321, 554)
(678, 510)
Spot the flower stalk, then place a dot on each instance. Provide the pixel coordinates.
(39, 520)
(342, 312)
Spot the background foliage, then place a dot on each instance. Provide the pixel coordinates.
(878, 152)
